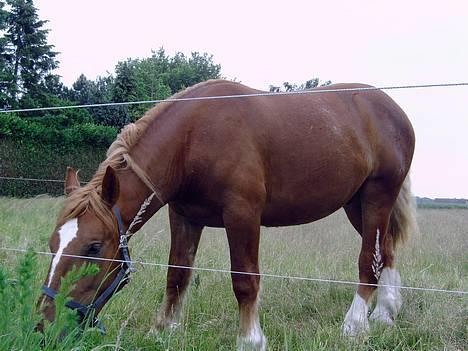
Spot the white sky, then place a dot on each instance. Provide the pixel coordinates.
(268, 42)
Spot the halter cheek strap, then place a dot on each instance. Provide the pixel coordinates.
(122, 277)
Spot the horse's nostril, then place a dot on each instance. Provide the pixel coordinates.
(40, 327)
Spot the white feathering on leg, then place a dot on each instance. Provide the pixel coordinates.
(355, 322)
(389, 299)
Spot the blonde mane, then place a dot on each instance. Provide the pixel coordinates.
(88, 197)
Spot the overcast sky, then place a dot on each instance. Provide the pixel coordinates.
(267, 42)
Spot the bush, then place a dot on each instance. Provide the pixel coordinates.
(42, 148)
(89, 134)
(20, 316)
(31, 159)
(51, 131)
(64, 119)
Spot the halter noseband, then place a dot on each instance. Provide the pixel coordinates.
(122, 277)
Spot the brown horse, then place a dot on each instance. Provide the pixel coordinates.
(240, 164)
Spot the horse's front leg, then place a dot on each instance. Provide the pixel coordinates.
(242, 224)
(185, 237)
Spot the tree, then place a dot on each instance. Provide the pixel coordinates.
(310, 84)
(125, 84)
(185, 72)
(3, 16)
(30, 60)
(152, 78)
(5, 77)
(125, 88)
(152, 75)
(84, 91)
(157, 77)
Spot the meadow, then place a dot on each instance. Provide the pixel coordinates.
(295, 315)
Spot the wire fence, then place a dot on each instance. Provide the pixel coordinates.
(267, 275)
(33, 179)
(223, 97)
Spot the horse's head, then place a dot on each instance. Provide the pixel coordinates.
(87, 226)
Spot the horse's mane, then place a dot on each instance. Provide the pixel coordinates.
(88, 197)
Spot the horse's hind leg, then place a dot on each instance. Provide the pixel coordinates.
(185, 237)
(242, 223)
(377, 199)
(402, 224)
(388, 297)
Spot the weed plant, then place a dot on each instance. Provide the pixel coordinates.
(20, 313)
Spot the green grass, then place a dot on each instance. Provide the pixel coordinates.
(20, 318)
(295, 315)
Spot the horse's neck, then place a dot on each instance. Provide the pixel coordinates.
(156, 156)
(158, 153)
(137, 203)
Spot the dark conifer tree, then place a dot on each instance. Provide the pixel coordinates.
(29, 59)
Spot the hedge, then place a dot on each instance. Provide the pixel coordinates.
(34, 160)
(27, 130)
(31, 149)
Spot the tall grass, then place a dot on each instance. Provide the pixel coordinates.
(20, 315)
(295, 315)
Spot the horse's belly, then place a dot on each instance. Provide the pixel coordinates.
(304, 208)
(277, 216)
(306, 193)
(271, 216)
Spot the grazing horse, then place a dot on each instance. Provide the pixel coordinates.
(240, 163)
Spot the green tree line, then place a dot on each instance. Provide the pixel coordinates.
(41, 144)
(27, 78)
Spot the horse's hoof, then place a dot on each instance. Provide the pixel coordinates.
(249, 343)
(355, 322)
(166, 324)
(160, 327)
(153, 332)
(383, 317)
(355, 327)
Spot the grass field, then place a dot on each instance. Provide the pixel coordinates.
(295, 315)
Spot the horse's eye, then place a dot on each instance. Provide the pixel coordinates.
(94, 249)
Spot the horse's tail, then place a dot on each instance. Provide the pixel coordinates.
(403, 218)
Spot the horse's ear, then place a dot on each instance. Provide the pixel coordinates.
(110, 187)
(72, 182)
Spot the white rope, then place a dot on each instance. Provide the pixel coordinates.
(318, 91)
(139, 216)
(268, 275)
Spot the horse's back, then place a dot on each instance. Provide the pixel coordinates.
(303, 155)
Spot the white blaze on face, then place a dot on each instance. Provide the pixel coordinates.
(67, 233)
